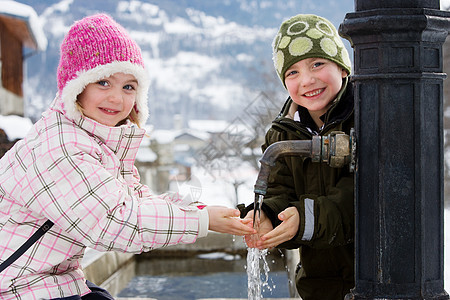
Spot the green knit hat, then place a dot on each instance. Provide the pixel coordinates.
(306, 36)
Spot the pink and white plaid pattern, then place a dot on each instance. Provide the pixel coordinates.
(80, 175)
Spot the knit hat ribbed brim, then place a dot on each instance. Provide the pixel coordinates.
(306, 36)
(97, 47)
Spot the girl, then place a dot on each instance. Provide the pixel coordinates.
(76, 168)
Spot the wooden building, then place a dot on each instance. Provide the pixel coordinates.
(20, 35)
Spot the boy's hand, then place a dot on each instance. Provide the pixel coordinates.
(265, 226)
(226, 220)
(284, 232)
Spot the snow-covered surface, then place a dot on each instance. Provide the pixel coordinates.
(15, 127)
(199, 134)
(209, 125)
(145, 154)
(28, 14)
(163, 136)
(219, 255)
(445, 4)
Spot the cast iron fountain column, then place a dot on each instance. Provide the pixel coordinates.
(399, 133)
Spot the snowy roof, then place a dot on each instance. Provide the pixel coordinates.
(145, 154)
(162, 136)
(208, 125)
(201, 135)
(15, 127)
(27, 14)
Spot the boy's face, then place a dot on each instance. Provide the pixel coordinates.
(109, 100)
(314, 83)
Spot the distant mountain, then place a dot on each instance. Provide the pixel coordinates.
(206, 58)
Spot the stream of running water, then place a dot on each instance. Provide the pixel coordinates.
(256, 260)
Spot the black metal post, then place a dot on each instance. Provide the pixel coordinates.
(399, 132)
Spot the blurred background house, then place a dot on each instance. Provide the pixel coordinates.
(20, 36)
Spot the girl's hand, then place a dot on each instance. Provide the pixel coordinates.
(226, 220)
(284, 232)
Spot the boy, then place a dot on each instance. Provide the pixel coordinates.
(309, 205)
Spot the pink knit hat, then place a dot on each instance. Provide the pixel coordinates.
(94, 48)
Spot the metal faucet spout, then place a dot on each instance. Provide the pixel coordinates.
(273, 152)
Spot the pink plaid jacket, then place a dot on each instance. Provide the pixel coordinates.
(81, 176)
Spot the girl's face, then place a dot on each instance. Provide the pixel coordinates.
(110, 100)
(314, 83)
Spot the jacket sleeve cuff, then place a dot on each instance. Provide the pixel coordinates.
(203, 223)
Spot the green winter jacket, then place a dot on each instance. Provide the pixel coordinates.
(323, 196)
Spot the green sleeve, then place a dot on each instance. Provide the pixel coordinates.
(332, 217)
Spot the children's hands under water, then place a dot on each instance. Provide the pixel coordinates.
(265, 226)
(226, 220)
(284, 232)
